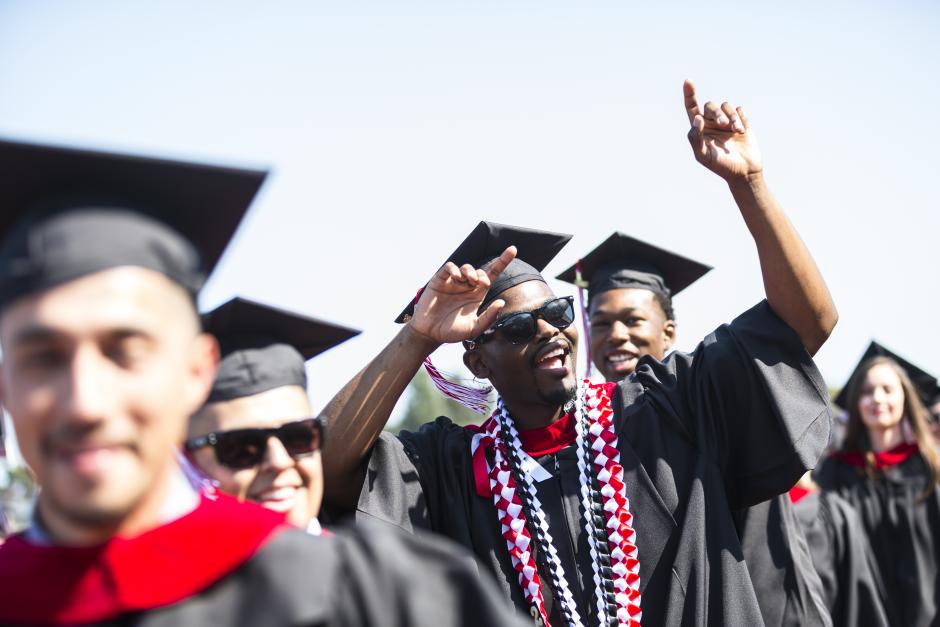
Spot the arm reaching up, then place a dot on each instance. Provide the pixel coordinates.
(722, 141)
(446, 312)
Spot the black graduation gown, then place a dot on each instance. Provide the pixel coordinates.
(734, 423)
(367, 576)
(788, 589)
(904, 534)
(843, 558)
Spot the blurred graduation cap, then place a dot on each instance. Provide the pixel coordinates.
(66, 212)
(622, 261)
(264, 347)
(486, 242)
(926, 384)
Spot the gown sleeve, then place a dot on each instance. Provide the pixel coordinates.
(749, 398)
(409, 477)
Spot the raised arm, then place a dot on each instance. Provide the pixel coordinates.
(446, 312)
(722, 141)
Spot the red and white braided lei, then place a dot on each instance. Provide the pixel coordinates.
(617, 588)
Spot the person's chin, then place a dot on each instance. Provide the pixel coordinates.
(881, 420)
(100, 505)
(102, 483)
(290, 501)
(560, 393)
(618, 371)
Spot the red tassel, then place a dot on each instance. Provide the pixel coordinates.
(474, 398)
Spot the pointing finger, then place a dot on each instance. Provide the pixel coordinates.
(496, 267)
(691, 103)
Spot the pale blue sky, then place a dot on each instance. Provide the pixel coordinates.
(393, 127)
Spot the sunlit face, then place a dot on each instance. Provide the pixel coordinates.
(881, 404)
(99, 376)
(541, 371)
(627, 323)
(293, 486)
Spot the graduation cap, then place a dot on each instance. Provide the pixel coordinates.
(264, 347)
(486, 242)
(65, 213)
(925, 383)
(622, 261)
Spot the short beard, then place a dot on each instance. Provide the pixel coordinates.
(561, 396)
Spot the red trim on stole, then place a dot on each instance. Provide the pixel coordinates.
(884, 459)
(58, 584)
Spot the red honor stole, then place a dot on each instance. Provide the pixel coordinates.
(884, 459)
(60, 584)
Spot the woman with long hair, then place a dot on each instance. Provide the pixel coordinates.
(888, 467)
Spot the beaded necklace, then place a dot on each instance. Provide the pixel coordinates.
(605, 510)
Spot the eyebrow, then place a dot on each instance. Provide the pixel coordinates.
(37, 334)
(615, 312)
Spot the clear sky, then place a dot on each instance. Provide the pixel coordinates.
(391, 128)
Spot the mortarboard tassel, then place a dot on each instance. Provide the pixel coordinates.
(581, 283)
(474, 398)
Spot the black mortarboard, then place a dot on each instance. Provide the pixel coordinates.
(264, 347)
(622, 261)
(65, 213)
(925, 383)
(534, 250)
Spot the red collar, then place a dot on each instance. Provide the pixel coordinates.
(55, 584)
(884, 459)
(551, 439)
(535, 442)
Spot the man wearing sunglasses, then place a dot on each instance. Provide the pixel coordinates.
(599, 504)
(255, 436)
(104, 361)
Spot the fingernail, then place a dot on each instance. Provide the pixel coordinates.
(739, 127)
(722, 120)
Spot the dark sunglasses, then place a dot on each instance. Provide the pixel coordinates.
(521, 327)
(245, 448)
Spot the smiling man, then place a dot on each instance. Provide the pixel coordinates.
(256, 435)
(631, 285)
(600, 503)
(104, 361)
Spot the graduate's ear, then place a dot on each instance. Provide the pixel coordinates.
(473, 360)
(669, 335)
(204, 362)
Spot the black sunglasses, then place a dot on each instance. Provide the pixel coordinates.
(245, 448)
(521, 327)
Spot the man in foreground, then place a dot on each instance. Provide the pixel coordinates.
(104, 362)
